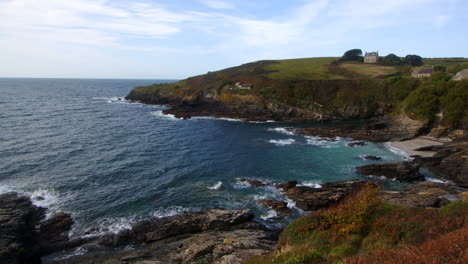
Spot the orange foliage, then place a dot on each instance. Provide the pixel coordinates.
(349, 216)
(450, 248)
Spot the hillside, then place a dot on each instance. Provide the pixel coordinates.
(313, 89)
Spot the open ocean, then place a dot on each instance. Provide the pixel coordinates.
(77, 146)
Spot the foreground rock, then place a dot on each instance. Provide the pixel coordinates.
(397, 171)
(24, 236)
(280, 207)
(310, 198)
(210, 236)
(155, 229)
(426, 194)
(450, 161)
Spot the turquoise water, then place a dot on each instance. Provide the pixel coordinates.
(109, 162)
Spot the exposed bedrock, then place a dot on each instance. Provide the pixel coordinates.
(398, 171)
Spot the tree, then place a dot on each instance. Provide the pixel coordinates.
(351, 55)
(413, 60)
(391, 59)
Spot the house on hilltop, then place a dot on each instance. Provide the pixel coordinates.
(423, 72)
(371, 57)
(461, 75)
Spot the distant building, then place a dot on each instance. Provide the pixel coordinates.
(461, 75)
(371, 57)
(243, 86)
(423, 72)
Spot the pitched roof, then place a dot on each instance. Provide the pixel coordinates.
(425, 70)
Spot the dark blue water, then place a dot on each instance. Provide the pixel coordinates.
(110, 162)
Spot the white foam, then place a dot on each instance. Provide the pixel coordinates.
(270, 214)
(161, 114)
(430, 179)
(262, 122)
(172, 211)
(217, 186)
(77, 252)
(217, 118)
(240, 185)
(323, 142)
(311, 184)
(397, 151)
(282, 142)
(47, 198)
(282, 130)
(112, 99)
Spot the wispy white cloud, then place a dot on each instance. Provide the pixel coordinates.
(232, 33)
(217, 4)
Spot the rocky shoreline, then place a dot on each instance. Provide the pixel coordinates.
(230, 236)
(209, 236)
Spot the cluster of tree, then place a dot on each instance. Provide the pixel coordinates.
(390, 59)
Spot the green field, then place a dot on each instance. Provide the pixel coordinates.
(370, 70)
(302, 69)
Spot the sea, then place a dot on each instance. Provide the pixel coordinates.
(76, 145)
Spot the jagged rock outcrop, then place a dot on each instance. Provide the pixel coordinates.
(450, 161)
(24, 236)
(18, 234)
(214, 236)
(397, 171)
(280, 207)
(155, 229)
(310, 198)
(425, 194)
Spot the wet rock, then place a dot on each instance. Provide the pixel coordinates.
(231, 245)
(372, 158)
(426, 194)
(280, 207)
(310, 199)
(398, 171)
(357, 144)
(54, 232)
(253, 182)
(18, 235)
(286, 186)
(155, 229)
(450, 162)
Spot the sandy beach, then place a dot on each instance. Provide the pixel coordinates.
(409, 146)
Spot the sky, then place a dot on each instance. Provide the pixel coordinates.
(175, 39)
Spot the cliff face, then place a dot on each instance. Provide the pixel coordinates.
(320, 100)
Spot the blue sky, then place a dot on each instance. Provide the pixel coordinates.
(176, 39)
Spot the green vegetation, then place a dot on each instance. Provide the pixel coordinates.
(439, 95)
(363, 229)
(302, 69)
(344, 90)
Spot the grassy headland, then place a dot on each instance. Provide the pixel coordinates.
(316, 89)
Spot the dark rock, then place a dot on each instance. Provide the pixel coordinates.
(310, 199)
(372, 158)
(159, 228)
(426, 194)
(253, 182)
(355, 144)
(428, 148)
(232, 245)
(280, 207)
(398, 171)
(286, 186)
(54, 232)
(18, 220)
(450, 162)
